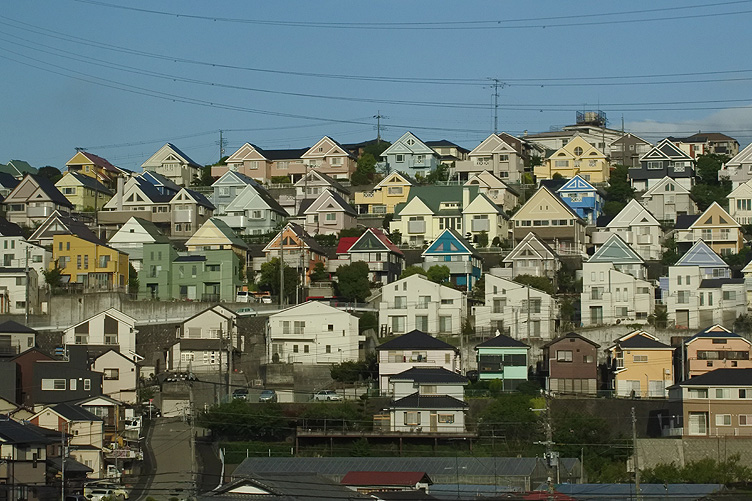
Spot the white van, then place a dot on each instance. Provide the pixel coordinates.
(242, 297)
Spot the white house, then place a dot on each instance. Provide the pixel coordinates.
(531, 256)
(111, 327)
(132, 236)
(418, 303)
(120, 376)
(615, 288)
(517, 310)
(172, 163)
(495, 189)
(14, 294)
(667, 199)
(740, 203)
(636, 226)
(312, 333)
(428, 399)
(204, 341)
(414, 349)
(739, 169)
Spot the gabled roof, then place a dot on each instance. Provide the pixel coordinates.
(450, 242)
(716, 331)
(502, 341)
(317, 204)
(8, 229)
(331, 144)
(61, 224)
(322, 177)
(393, 478)
(642, 342)
(232, 177)
(372, 239)
(715, 215)
(533, 243)
(741, 158)
(145, 228)
(577, 183)
(7, 181)
(444, 143)
(396, 177)
(300, 233)
(87, 181)
(345, 243)
(287, 486)
(165, 151)
(429, 375)
(418, 401)
(633, 214)
(11, 326)
(570, 335)
(721, 377)
(416, 340)
(18, 168)
(205, 236)
(250, 193)
(45, 186)
(665, 150)
(659, 187)
(159, 181)
(544, 193)
(199, 198)
(402, 145)
(95, 160)
(615, 250)
(701, 255)
(73, 412)
(717, 283)
(16, 433)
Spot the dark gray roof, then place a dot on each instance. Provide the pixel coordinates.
(307, 239)
(291, 486)
(429, 375)
(182, 259)
(151, 191)
(187, 158)
(502, 341)
(281, 154)
(90, 182)
(416, 340)
(71, 465)
(716, 283)
(721, 377)
(641, 342)
(8, 229)
(8, 181)
(15, 327)
(49, 188)
(418, 401)
(625, 492)
(17, 433)
(435, 467)
(75, 412)
(200, 199)
(570, 335)
(445, 143)
(684, 221)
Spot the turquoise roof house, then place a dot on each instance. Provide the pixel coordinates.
(451, 250)
(504, 358)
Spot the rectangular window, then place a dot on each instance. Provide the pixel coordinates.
(112, 374)
(446, 418)
(412, 418)
(53, 384)
(723, 419)
(698, 393)
(745, 419)
(400, 158)
(445, 324)
(87, 384)
(328, 348)
(564, 355)
(104, 261)
(400, 302)
(640, 358)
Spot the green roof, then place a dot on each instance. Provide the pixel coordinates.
(229, 233)
(433, 196)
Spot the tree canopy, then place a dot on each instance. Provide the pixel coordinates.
(540, 283)
(352, 281)
(438, 273)
(413, 270)
(269, 279)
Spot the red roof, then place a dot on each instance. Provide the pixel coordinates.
(97, 160)
(398, 478)
(345, 243)
(381, 236)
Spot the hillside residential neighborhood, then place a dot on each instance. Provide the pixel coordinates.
(540, 301)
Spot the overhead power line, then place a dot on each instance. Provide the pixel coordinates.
(537, 22)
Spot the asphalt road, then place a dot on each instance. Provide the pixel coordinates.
(172, 461)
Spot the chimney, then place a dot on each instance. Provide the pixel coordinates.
(119, 194)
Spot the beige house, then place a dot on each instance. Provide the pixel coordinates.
(495, 189)
(205, 341)
(641, 366)
(330, 158)
(110, 328)
(328, 214)
(120, 376)
(577, 157)
(668, 199)
(501, 154)
(716, 348)
(637, 227)
(740, 203)
(33, 200)
(715, 227)
(173, 164)
(263, 165)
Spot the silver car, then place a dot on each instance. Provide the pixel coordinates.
(325, 395)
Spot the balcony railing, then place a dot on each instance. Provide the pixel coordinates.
(416, 226)
(183, 216)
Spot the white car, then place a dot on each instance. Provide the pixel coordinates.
(324, 395)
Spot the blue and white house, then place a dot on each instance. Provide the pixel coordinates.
(410, 155)
(163, 184)
(451, 250)
(583, 198)
(227, 187)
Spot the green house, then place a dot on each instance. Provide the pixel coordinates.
(209, 275)
(504, 358)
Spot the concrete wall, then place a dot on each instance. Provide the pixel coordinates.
(653, 451)
(305, 378)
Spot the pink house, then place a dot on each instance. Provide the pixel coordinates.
(715, 348)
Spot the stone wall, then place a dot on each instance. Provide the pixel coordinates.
(653, 451)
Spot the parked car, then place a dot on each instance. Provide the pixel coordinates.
(324, 395)
(240, 394)
(268, 396)
(150, 410)
(103, 489)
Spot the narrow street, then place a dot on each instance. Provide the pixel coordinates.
(172, 471)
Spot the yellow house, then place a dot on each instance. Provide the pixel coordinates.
(392, 190)
(641, 365)
(90, 263)
(576, 157)
(715, 227)
(96, 167)
(85, 193)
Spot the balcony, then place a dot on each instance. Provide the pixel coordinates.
(481, 225)
(233, 221)
(39, 211)
(183, 216)
(644, 239)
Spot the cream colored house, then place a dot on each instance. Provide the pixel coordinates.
(637, 227)
(531, 256)
(740, 203)
(175, 165)
(715, 227)
(667, 199)
(331, 158)
(495, 189)
(110, 328)
(642, 366)
(119, 376)
(502, 154)
(384, 197)
(577, 157)
(204, 341)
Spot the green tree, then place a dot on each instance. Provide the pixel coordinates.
(269, 279)
(53, 277)
(620, 188)
(365, 170)
(51, 173)
(413, 270)
(438, 273)
(478, 292)
(483, 239)
(708, 166)
(353, 371)
(510, 416)
(612, 207)
(368, 321)
(352, 281)
(702, 471)
(376, 148)
(396, 237)
(440, 173)
(540, 283)
(319, 273)
(133, 284)
(670, 255)
(239, 420)
(573, 429)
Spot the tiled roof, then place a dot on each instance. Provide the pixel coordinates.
(8, 229)
(570, 335)
(14, 327)
(101, 162)
(345, 243)
(75, 413)
(637, 342)
(400, 478)
(502, 341)
(721, 377)
(49, 188)
(89, 182)
(716, 283)
(416, 340)
(418, 401)
(429, 375)
(186, 157)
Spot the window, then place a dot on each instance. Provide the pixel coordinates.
(87, 384)
(578, 151)
(447, 301)
(682, 297)
(655, 165)
(587, 359)
(421, 323)
(331, 216)
(400, 302)
(104, 261)
(743, 393)
(412, 418)
(564, 355)
(78, 262)
(295, 348)
(446, 418)
(187, 356)
(729, 295)
(112, 374)
(723, 419)
(395, 190)
(328, 348)
(745, 419)
(400, 158)
(445, 324)
(72, 385)
(698, 393)
(53, 384)
(306, 348)
(640, 358)
(110, 339)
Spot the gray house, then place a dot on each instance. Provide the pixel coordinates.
(227, 187)
(410, 155)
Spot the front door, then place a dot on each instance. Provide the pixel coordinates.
(596, 315)
(434, 422)
(191, 292)
(698, 423)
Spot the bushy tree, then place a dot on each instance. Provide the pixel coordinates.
(438, 273)
(269, 279)
(319, 273)
(239, 420)
(413, 270)
(702, 471)
(368, 321)
(53, 277)
(510, 416)
(352, 281)
(133, 283)
(482, 239)
(540, 283)
(365, 170)
(354, 371)
(620, 188)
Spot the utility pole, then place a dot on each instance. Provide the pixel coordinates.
(378, 116)
(222, 143)
(26, 245)
(496, 85)
(62, 463)
(528, 313)
(635, 461)
(551, 457)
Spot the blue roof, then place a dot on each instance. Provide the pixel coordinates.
(701, 255)
(450, 242)
(577, 184)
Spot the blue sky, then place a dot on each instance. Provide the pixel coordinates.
(122, 82)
